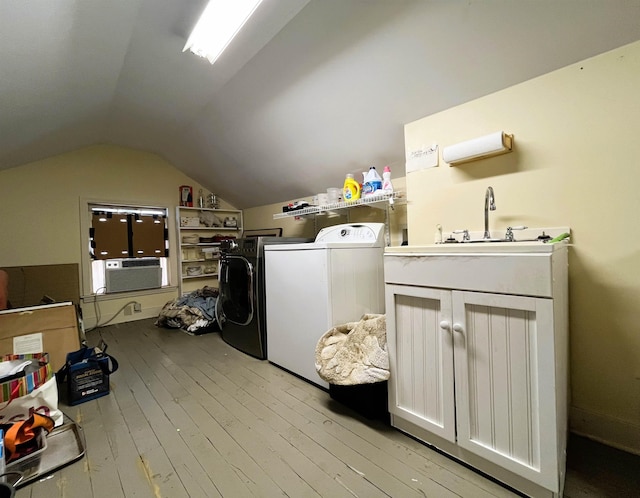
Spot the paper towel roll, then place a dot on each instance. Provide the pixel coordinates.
(489, 145)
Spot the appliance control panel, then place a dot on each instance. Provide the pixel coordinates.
(248, 246)
(353, 233)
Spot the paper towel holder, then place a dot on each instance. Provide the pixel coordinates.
(489, 145)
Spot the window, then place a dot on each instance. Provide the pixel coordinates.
(128, 243)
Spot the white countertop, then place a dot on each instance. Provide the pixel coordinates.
(477, 247)
(529, 246)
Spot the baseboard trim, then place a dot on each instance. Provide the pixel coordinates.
(605, 429)
(151, 312)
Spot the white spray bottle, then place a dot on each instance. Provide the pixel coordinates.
(387, 186)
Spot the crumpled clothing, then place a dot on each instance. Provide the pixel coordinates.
(354, 353)
(190, 312)
(203, 299)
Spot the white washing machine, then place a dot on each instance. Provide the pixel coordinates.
(314, 286)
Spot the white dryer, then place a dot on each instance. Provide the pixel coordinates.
(314, 286)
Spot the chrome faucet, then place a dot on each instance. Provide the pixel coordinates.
(489, 204)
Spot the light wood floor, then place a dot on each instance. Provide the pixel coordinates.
(189, 416)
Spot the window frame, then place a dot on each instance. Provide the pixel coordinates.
(86, 270)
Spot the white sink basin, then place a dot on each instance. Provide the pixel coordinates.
(467, 248)
(529, 245)
(518, 268)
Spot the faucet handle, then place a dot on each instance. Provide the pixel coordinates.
(509, 235)
(465, 236)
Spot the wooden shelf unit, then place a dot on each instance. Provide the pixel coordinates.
(194, 254)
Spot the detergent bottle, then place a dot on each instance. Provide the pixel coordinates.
(372, 182)
(351, 189)
(387, 186)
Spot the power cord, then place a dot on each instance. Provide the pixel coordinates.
(96, 307)
(98, 316)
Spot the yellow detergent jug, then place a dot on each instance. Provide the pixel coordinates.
(351, 189)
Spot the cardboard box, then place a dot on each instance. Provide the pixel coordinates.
(28, 285)
(51, 328)
(189, 221)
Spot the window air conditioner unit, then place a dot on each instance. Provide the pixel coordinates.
(133, 274)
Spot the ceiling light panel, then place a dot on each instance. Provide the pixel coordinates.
(218, 25)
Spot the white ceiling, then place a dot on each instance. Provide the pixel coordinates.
(309, 90)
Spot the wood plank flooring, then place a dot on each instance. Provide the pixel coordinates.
(189, 416)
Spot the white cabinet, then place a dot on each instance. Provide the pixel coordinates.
(199, 231)
(480, 373)
(421, 358)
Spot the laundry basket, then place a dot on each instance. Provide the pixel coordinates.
(368, 400)
(353, 359)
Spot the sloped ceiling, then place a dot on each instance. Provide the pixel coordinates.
(308, 91)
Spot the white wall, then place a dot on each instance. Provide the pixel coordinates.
(41, 205)
(575, 163)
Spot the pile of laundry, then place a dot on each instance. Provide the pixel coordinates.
(194, 313)
(354, 353)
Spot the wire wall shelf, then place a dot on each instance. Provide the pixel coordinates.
(373, 201)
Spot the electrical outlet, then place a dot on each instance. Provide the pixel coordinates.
(137, 307)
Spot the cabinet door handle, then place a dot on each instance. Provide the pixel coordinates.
(445, 325)
(458, 328)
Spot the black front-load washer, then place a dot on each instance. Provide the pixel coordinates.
(241, 304)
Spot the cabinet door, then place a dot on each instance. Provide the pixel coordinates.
(505, 382)
(421, 358)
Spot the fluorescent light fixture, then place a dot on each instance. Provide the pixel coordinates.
(218, 25)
